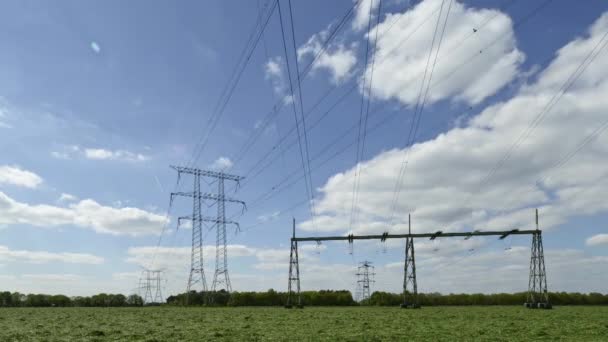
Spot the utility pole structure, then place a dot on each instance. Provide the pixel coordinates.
(538, 296)
(152, 281)
(221, 278)
(364, 280)
(294, 274)
(410, 286)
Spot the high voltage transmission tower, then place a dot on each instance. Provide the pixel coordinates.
(221, 279)
(538, 296)
(293, 286)
(365, 277)
(152, 284)
(410, 286)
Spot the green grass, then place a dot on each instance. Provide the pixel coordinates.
(313, 324)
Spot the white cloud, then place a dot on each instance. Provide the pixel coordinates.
(67, 198)
(269, 217)
(362, 15)
(221, 163)
(15, 175)
(95, 47)
(3, 115)
(44, 257)
(443, 186)
(71, 151)
(52, 277)
(597, 240)
(86, 213)
(178, 258)
(103, 154)
(337, 58)
(400, 62)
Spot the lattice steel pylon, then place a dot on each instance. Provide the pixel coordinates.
(197, 274)
(365, 277)
(410, 286)
(152, 281)
(293, 297)
(538, 296)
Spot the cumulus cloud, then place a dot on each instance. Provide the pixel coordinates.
(362, 14)
(103, 154)
(597, 240)
(85, 213)
(15, 175)
(44, 257)
(67, 198)
(222, 163)
(401, 55)
(95, 47)
(338, 59)
(275, 72)
(71, 151)
(2, 116)
(178, 258)
(443, 184)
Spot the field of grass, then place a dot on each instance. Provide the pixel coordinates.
(313, 324)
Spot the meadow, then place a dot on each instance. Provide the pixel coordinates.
(492, 323)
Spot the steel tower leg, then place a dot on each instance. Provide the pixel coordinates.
(538, 295)
(220, 276)
(410, 286)
(293, 296)
(197, 272)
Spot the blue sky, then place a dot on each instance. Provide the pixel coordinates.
(97, 99)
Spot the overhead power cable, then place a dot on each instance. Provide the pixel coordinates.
(364, 108)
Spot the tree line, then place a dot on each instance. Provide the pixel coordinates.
(434, 299)
(16, 299)
(309, 298)
(378, 298)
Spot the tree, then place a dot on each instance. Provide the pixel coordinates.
(135, 300)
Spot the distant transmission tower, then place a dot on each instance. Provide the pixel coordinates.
(365, 277)
(538, 296)
(152, 284)
(410, 286)
(220, 277)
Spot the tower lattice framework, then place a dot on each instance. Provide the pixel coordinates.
(365, 277)
(410, 285)
(221, 279)
(293, 285)
(538, 295)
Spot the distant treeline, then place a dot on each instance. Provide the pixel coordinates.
(434, 299)
(309, 298)
(344, 298)
(16, 299)
(268, 298)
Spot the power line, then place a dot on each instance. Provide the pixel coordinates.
(295, 111)
(364, 108)
(301, 102)
(543, 112)
(417, 111)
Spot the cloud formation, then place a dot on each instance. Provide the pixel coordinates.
(69, 152)
(44, 257)
(337, 58)
(222, 163)
(14, 175)
(86, 213)
(444, 177)
(597, 240)
(471, 65)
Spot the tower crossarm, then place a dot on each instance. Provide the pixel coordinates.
(206, 173)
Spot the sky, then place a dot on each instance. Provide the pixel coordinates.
(467, 115)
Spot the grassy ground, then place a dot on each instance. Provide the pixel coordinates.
(313, 324)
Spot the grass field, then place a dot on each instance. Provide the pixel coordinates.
(314, 324)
